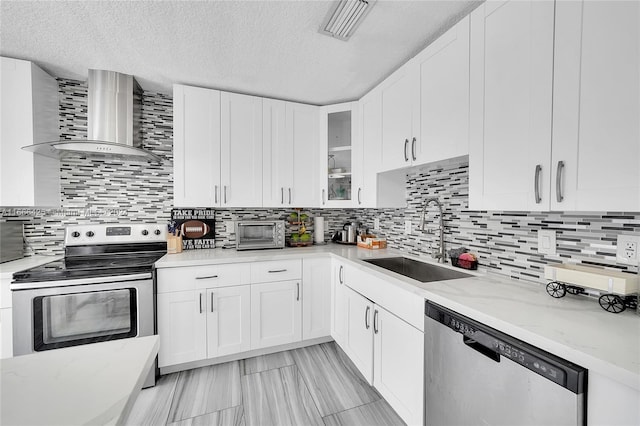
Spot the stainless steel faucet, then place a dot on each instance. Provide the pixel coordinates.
(440, 254)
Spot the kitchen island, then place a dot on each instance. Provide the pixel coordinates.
(90, 384)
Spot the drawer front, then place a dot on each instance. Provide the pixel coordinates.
(200, 277)
(276, 270)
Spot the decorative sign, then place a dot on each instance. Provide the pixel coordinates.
(196, 226)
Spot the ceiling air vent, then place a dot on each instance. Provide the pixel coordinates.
(346, 18)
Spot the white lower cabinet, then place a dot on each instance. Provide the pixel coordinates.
(182, 327)
(338, 303)
(316, 298)
(228, 320)
(398, 353)
(359, 338)
(388, 352)
(276, 313)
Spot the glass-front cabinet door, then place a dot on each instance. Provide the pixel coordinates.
(339, 152)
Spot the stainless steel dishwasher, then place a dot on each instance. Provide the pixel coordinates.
(476, 375)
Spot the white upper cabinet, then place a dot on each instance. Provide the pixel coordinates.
(277, 155)
(444, 95)
(340, 154)
(510, 123)
(28, 115)
(365, 179)
(400, 118)
(196, 147)
(290, 142)
(596, 107)
(303, 138)
(241, 150)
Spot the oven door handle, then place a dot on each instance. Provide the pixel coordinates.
(80, 281)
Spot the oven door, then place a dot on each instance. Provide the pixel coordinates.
(57, 317)
(259, 235)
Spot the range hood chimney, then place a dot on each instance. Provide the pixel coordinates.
(113, 121)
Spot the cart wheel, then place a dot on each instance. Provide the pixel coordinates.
(556, 289)
(612, 303)
(574, 290)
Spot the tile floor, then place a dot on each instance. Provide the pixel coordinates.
(317, 385)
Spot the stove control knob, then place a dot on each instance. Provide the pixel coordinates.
(75, 234)
(157, 232)
(145, 232)
(90, 234)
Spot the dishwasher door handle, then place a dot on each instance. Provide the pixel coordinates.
(489, 353)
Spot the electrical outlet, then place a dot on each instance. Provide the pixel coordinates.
(376, 224)
(627, 249)
(230, 227)
(407, 226)
(546, 241)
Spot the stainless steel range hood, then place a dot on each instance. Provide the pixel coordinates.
(113, 121)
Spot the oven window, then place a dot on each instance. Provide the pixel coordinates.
(256, 234)
(80, 318)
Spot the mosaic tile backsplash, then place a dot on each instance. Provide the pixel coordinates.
(505, 242)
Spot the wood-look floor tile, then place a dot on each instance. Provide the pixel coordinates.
(205, 390)
(266, 362)
(333, 381)
(378, 413)
(278, 397)
(152, 405)
(227, 417)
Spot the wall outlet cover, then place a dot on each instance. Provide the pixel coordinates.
(407, 226)
(546, 241)
(230, 226)
(627, 249)
(376, 224)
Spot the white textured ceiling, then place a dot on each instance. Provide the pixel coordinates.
(266, 48)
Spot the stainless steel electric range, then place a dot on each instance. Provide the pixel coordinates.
(102, 290)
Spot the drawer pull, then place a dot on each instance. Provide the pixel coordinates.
(212, 302)
(200, 302)
(207, 277)
(273, 271)
(536, 184)
(406, 156)
(559, 196)
(297, 291)
(340, 275)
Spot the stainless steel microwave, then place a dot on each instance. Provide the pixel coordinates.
(259, 234)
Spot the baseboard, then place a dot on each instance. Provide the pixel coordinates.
(243, 355)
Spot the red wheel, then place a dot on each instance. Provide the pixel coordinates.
(612, 303)
(556, 289)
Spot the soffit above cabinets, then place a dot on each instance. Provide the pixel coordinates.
(270, 49)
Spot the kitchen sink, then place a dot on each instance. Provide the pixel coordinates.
(420, 271)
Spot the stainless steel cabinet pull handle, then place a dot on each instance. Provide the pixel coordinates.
(276, 270)
(536, 183)
(200, 302)
(366, 317)
(281, 195)
(225, 194)
(212, 302)
(375, 322)
(340, 274)
(406, 156)
(215, 194)
(207, 277)
(559, 196)
(359, 199)
(323, 197)
(289, 195)
(413, 149)
(297, 291)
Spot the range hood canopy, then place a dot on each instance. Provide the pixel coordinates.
(113, 122)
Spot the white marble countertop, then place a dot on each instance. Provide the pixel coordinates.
(92, 384)
(572, 327)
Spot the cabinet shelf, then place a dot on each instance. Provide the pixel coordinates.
(340, 148)
(340, 175)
